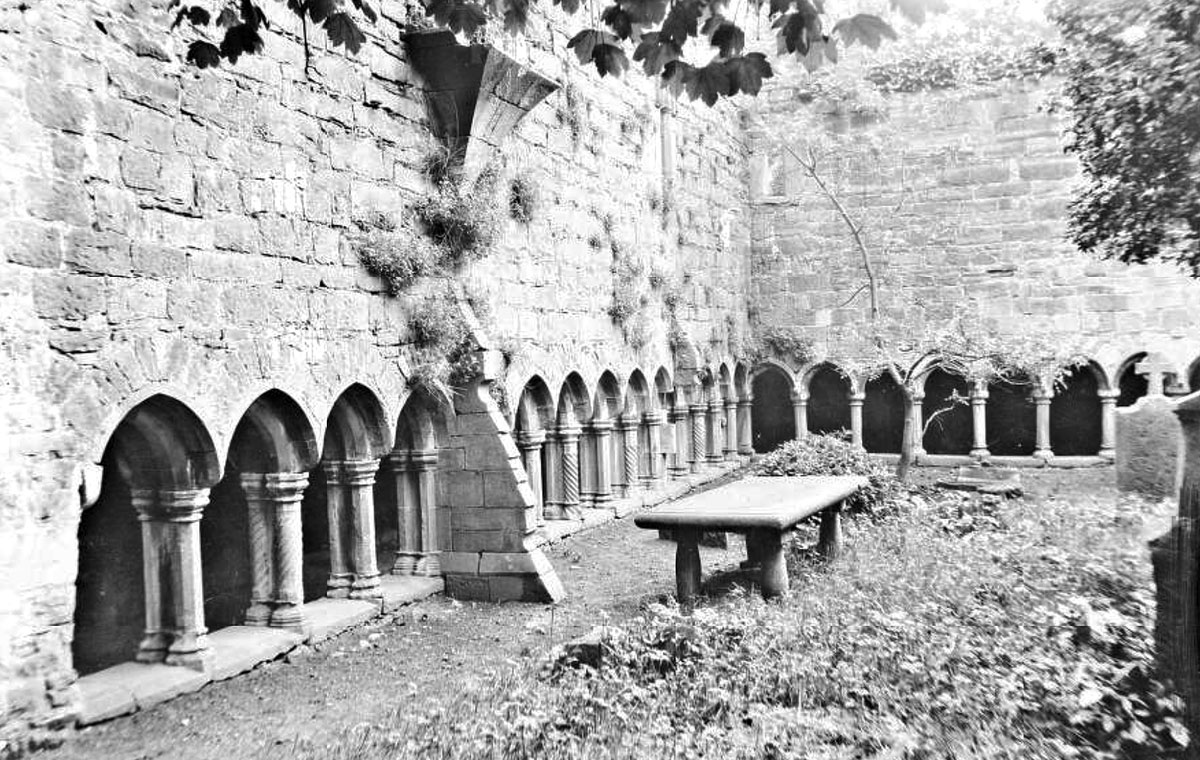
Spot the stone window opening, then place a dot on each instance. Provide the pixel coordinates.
(534, 421)
(414, 464)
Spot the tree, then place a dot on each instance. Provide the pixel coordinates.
(660, 30)
(1133, 93)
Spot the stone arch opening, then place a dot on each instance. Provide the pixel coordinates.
(1194, 377)
(728, 412)
(414, 464)
(533, 421)
(574, 406)
(828, 400)
(772, 419)
(636, 460)
(130, 600)
(251, 536)
(663, 421)
(952, 430)
(1075, 414)
(883, 415)
(1011, 417)
(601, 454)
(1131, 386)
(341, 518)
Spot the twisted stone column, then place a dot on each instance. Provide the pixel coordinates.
(979, 397)
(730, 429)
(602, 462)
(1108, 423)
(800, 414)
(745, 437)
(172, 573)
(425, 462)
(261, 512)
(629, 429)
(569, 438)
(408, 507)
(1041, 400)
(856, 418)
(697, 456)
(359, 480)
(714, 436)
(655, 423)
(340, 577)
(552, 504)
(277, 496)
(683, 441)
(530, 443)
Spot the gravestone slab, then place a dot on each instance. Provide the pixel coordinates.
(1148, 440)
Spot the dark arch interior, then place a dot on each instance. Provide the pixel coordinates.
(771, 417)
(828, 401)
(1011, 419)
(225, 555)
(1075, 414)
(1131, 385)
(952, 430)
(109, 593)
(314, 521)
(883, 416)
(1194, 378)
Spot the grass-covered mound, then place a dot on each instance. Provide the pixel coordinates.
(953, 627)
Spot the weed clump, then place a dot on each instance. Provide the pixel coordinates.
(833, 455)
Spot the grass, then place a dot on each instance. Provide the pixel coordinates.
(954, 626)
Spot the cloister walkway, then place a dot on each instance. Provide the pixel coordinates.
(420, 656)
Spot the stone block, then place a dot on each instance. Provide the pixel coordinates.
(467, 587)
(1148, 446)
(465, 489)
(239, 648)
(460, 563)
(31, 243)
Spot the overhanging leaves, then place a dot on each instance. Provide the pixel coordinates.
(655, 53)
(725, 35)
(203, 54)
(618, 20)
(866, 28)
(681, 22)
(195, 15)
(342, 30)
(602, 49)
(239, 40)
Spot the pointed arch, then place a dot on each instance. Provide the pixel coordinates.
(608, 401)
(772, 418)
(535, 407)
(357, 427)
(273, 435)
(829, 388)
(637, 394)
(159, 446)
(574, 401)
(1131, 385)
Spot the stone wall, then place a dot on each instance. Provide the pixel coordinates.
(964, 194)
(177, 232)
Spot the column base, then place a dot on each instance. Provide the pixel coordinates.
(430, 565)
(602, 500)
(980, 454)
(715, 459)
(189, 650)
(153, 647)
(730, 454)
(746, 451)
(564, 512)
(1043, 454)
(405, 564)
(1108, 455)
(678, 473)
(338, 586)
(259, 613)
(366, 587)
(695, 467)
(288, 615)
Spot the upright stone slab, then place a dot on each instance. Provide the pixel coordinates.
(1147, 454)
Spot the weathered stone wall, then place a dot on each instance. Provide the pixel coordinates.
(964, 197)
(165, 230)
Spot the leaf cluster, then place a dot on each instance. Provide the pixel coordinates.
(833, 454)
(1133, 96)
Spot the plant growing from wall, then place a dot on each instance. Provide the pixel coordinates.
(522, 199)
(398, 256)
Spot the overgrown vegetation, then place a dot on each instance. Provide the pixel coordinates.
(446, 349)
(522, 199)
(953, 627)
(786, 344)
(833, 454)
(454, 223)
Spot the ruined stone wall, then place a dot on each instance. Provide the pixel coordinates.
(166, 230)
(964, 196)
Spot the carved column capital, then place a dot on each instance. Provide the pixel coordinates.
(169, 505)
(528, 440)
(425, 459)
(654, 419)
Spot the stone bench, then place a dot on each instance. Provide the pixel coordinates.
(764, 508)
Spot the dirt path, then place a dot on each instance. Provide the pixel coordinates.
(425, 653)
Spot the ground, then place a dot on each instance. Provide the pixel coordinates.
(429, 652)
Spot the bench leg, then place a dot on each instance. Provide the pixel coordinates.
(753, 549)
(687, 565)
(830, 542)
(774, 565)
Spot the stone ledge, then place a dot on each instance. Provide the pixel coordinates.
(131, 686)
